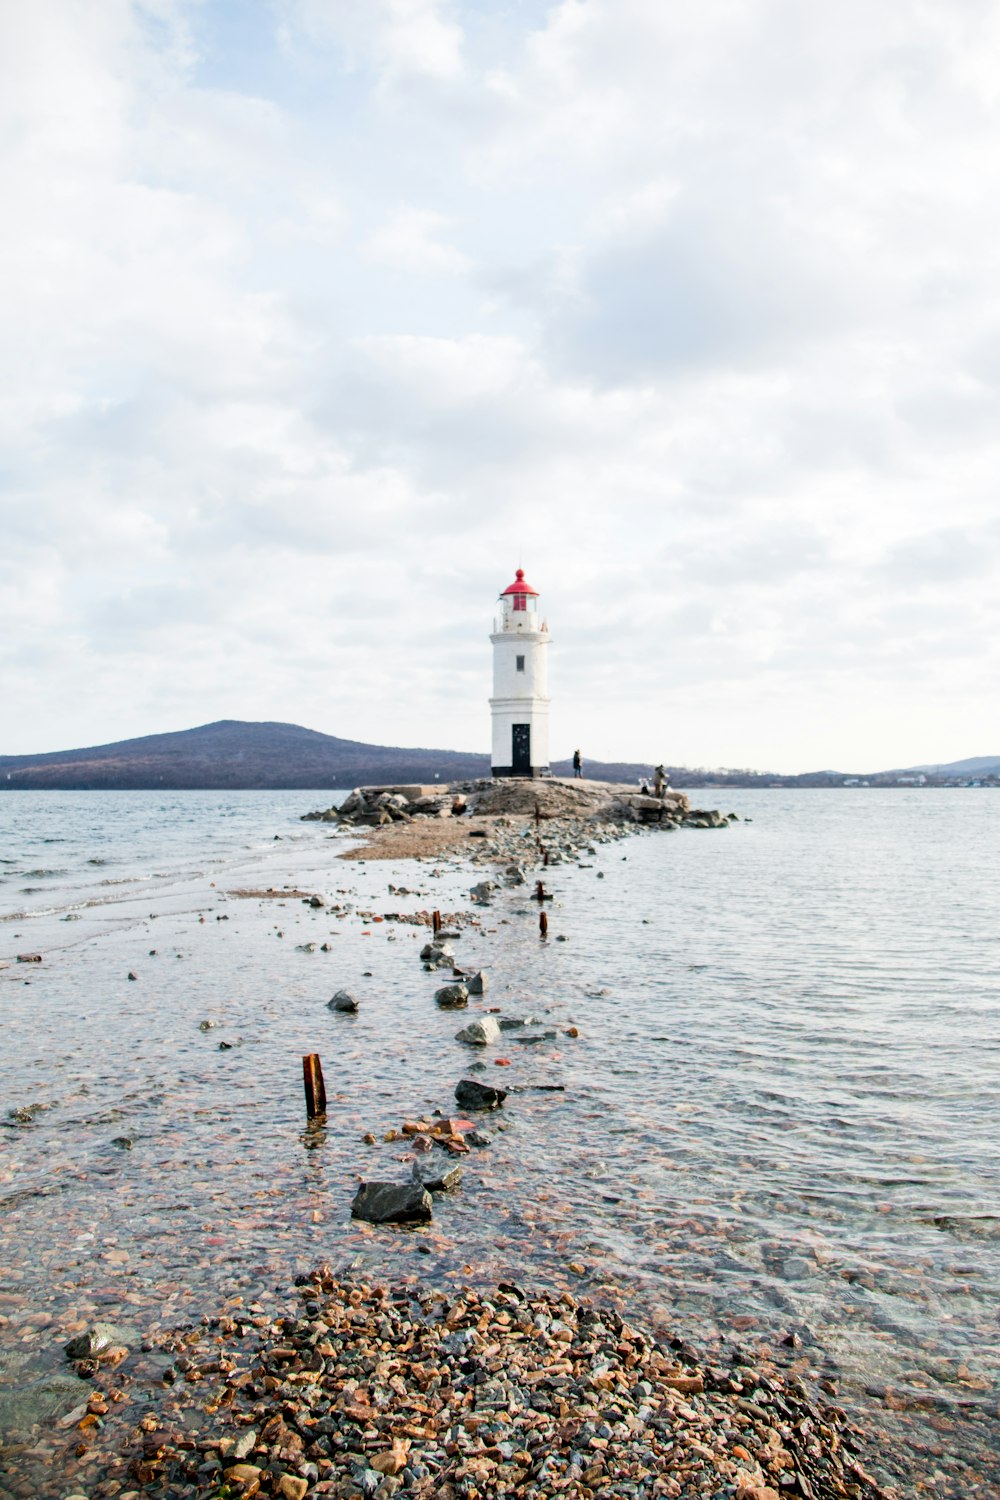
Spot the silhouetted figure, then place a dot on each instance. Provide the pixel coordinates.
(660, 781)
(577, 763)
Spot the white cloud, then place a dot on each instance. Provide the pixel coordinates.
(402, 38)
(410, 242)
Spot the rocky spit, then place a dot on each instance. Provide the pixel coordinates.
(506, 821)
(368, 1392)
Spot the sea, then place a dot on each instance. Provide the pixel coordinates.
(775, 1127)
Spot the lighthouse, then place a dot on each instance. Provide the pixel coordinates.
(520, 702)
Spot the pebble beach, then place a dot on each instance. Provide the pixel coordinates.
(378, 1391)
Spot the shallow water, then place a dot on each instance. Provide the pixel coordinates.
(778, 1119)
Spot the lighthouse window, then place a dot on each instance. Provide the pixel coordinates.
(520, 601)
(520, 663)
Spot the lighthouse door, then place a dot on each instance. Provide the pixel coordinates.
(521, 749)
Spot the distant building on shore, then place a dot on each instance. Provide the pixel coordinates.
(520, 701)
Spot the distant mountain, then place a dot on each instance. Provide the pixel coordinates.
(234, 754)
(977, 765)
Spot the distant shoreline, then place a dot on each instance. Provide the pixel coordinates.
(236, 755)
(327, 788)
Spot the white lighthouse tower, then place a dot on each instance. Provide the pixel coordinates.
(520, 702)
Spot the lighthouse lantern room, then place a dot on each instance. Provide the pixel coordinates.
(520, 702)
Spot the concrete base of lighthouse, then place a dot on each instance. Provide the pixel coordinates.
(520, 737)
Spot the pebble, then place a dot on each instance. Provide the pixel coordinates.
(403, 1390)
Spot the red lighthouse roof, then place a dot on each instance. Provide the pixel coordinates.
(519, 586)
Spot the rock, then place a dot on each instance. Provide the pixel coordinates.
(482, 893)
(93, 1343)
(392, 1203)
(343, 1001)
(435, 1175)
(25, 1113)
(477, 1138)
(244, 1443)
(123, 1142)
(452, 997)
(432, 807)
(479, 1033)
(437, 956)
(316, 902)
(247, 1476)
(700, 817)
(473, 1095)
(478, 983)
(291, 1487)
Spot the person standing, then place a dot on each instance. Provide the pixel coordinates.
(577, 764)
(659, 782)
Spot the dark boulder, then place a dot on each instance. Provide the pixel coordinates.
(392, 1203)
(343, 1001)
(452, 997)
(473, 1095)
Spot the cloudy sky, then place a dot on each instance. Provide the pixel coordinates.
(318, 316)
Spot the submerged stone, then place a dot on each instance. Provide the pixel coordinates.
(473, 1095)
(392, 1203)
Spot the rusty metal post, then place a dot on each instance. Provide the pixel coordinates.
(312, 1077)
(436, 922)
(539, 891)
(543, 924)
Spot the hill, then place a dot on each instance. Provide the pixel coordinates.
(237, 755)
(234, 754)
(976, 765)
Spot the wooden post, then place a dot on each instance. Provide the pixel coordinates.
(312, 1077)
(539, 891)
(543, 924)
(545, 857)
(436, 922)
